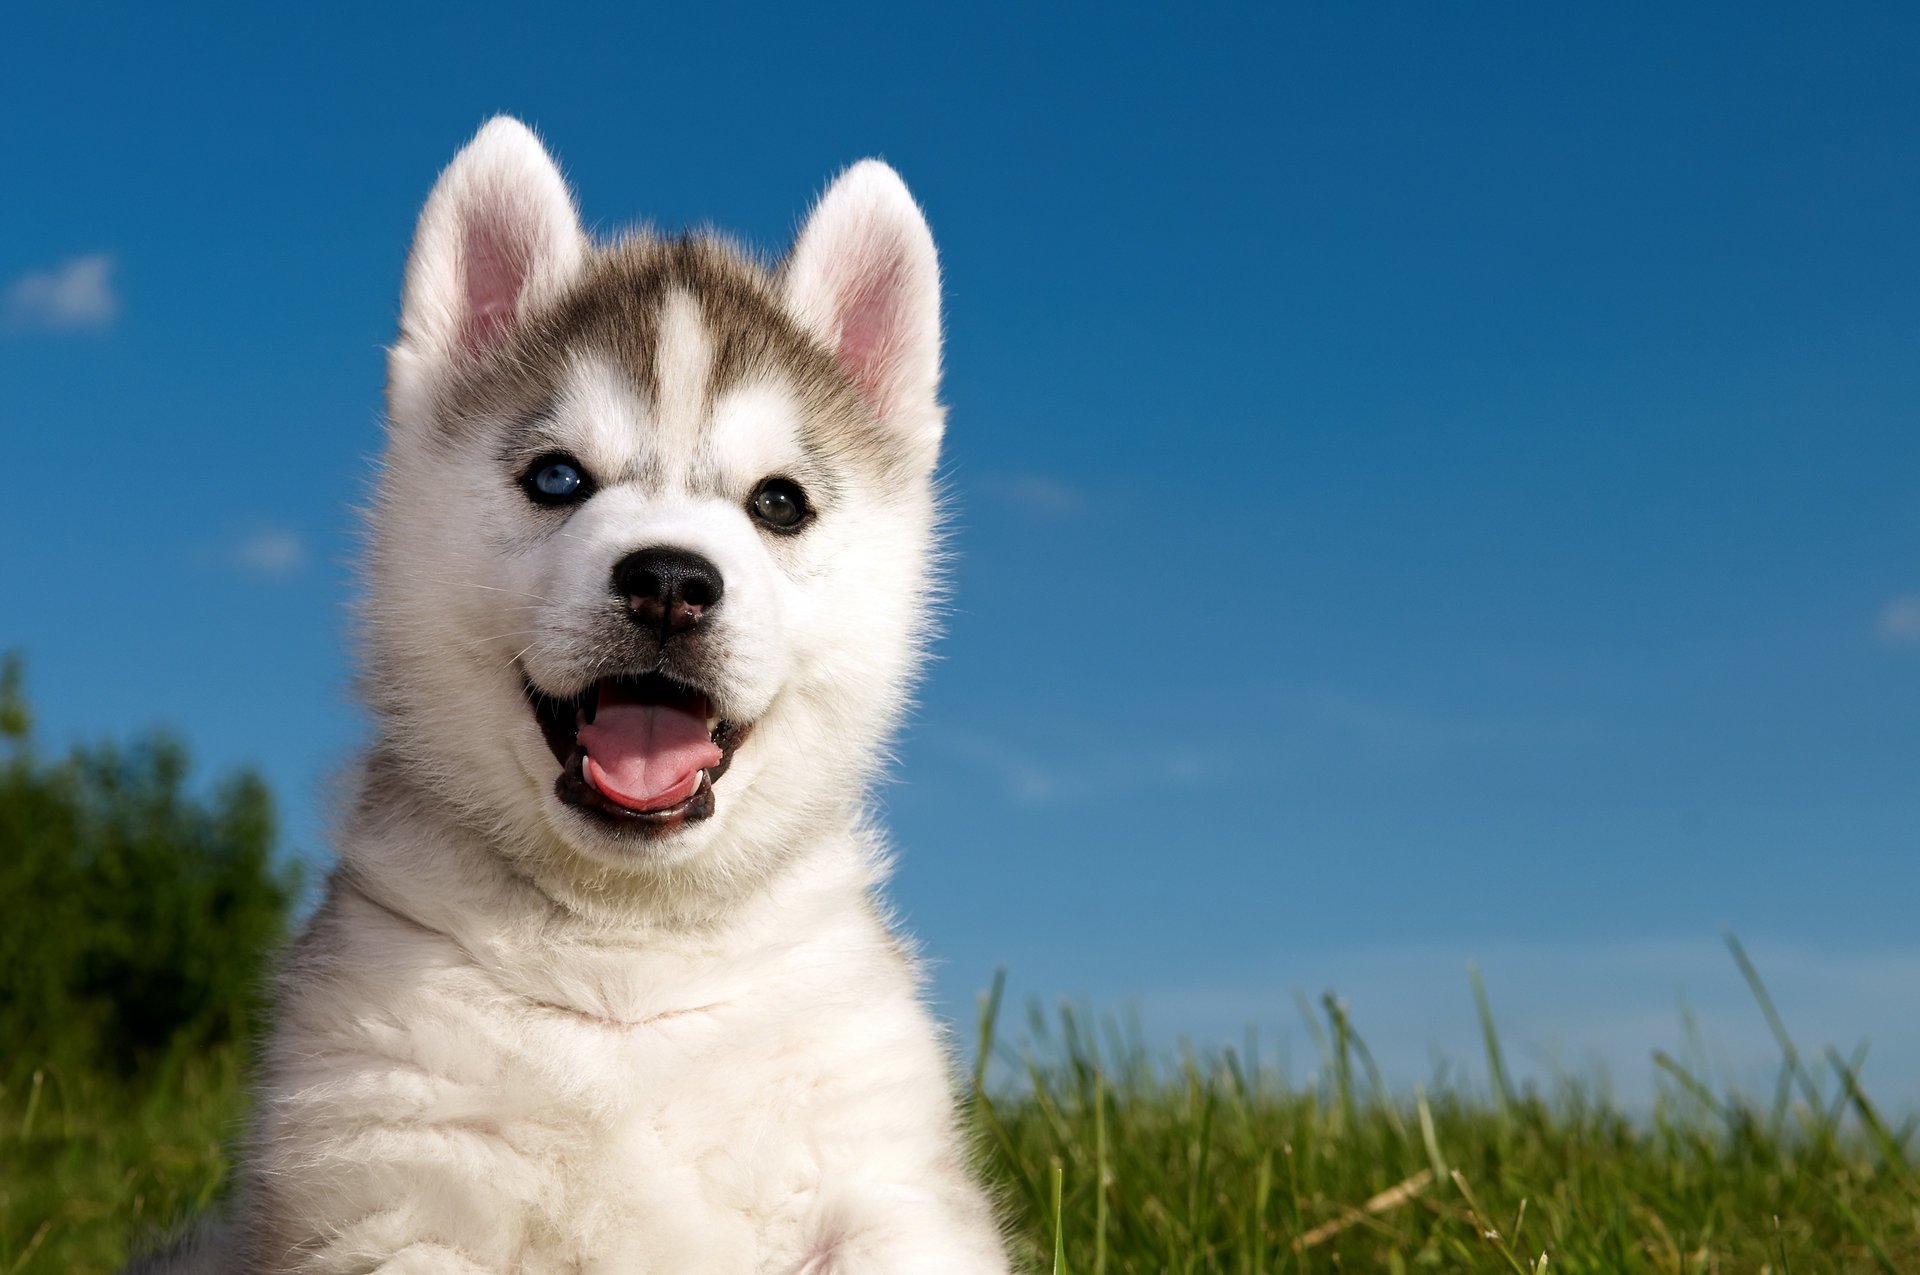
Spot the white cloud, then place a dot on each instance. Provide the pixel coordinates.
(1405, 731)
(1083, 772)
(76, 295)
(271, 553)
(1900, 622)
(1021, 776)
(1034, 495)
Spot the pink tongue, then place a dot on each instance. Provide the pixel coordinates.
(647, 756)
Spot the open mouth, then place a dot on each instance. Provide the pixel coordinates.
(638, 751)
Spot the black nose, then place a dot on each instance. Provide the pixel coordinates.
(667, 590)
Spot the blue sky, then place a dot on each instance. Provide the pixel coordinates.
(1431, 484)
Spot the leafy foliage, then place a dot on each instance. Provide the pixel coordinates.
(139, 917)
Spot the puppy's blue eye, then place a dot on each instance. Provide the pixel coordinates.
(556, 480)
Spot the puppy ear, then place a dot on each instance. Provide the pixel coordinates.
(865, 281)
(499, 234)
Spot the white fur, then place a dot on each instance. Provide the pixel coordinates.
(865, 279)
(503, 190)
(510, 1042)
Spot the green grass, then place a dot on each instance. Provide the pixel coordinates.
(87, 1164)
(1113, 1165)
(1111, 1161)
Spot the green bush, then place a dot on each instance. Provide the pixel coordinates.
(136, 918)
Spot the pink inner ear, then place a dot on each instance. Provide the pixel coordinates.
(872, 323)
(496, 262)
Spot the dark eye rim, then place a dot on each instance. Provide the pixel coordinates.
(547, 499)
(798, 525)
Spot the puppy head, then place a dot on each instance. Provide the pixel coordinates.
(650, 547)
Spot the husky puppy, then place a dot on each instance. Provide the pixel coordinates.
(602, 982)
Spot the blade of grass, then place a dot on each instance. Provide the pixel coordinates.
(1391, 1198)
(989, 1018)
(1482, 1221)
(1496, 1061)
(1257, 1224)
(1695, 1088)
(1865, 1236)
(1059, 1224)
(1838, 1107)
(1103, 1174)
(1200, 1185)
(1895, 1158)
(1789, 1053)
(1435, 1161)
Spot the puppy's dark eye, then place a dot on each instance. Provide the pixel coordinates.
(780, 504)
(556, 479)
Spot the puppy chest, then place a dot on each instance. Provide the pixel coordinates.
(669, 1157)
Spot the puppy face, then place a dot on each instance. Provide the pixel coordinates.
(650, 548)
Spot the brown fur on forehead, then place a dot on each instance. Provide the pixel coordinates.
(614, 309)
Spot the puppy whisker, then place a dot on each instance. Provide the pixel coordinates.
(490, 588)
